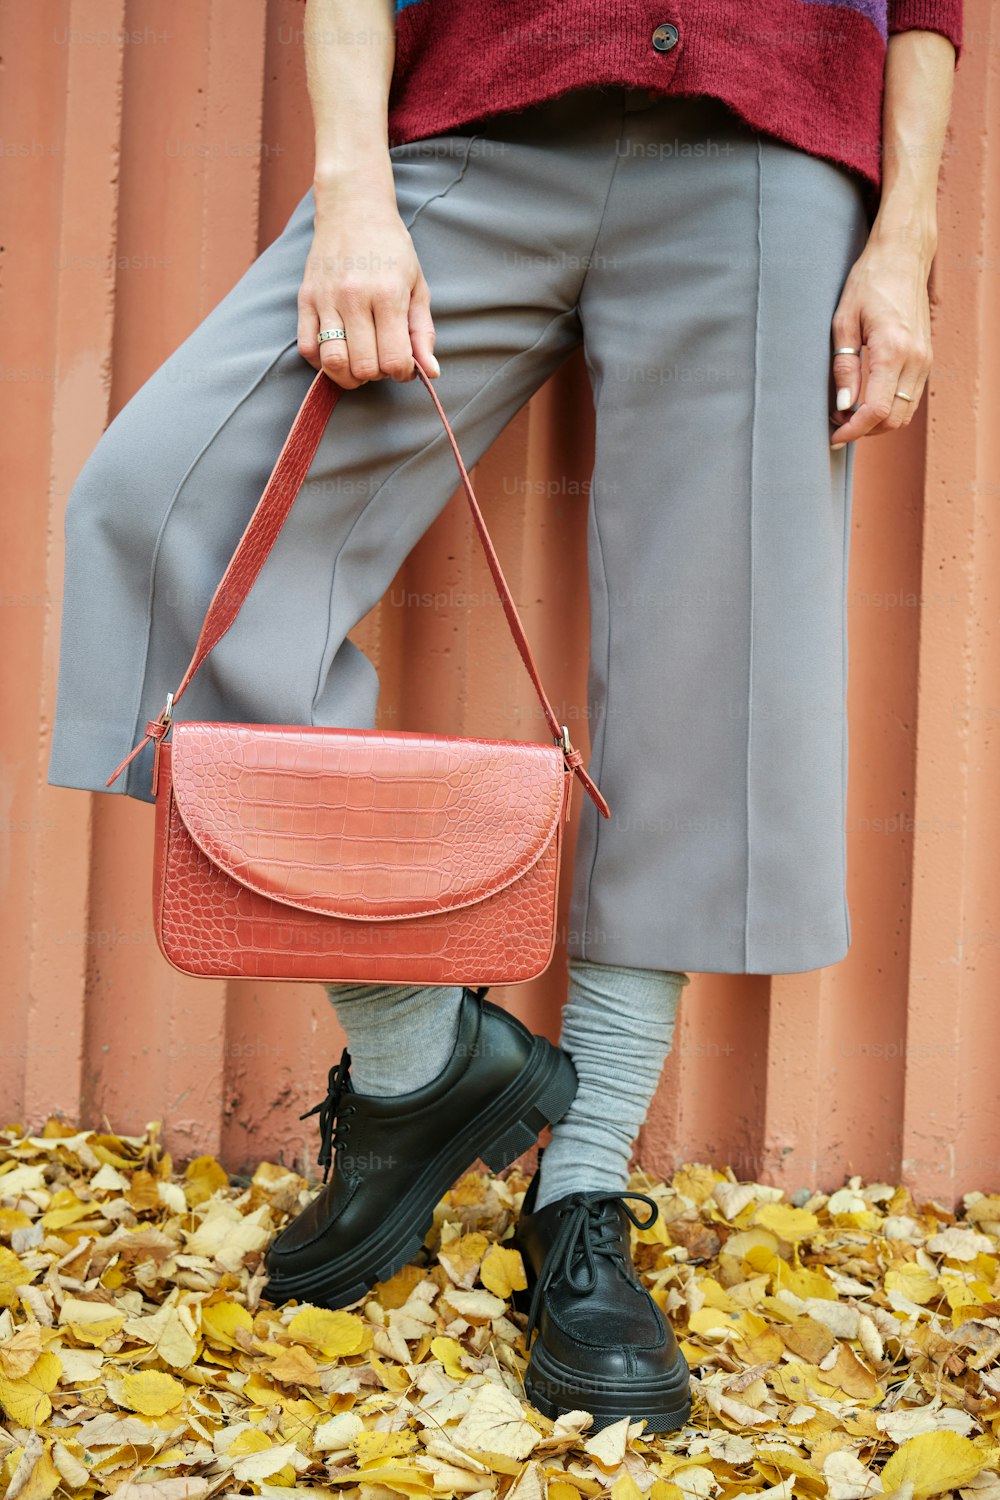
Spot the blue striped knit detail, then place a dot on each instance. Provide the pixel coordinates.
(874, 9)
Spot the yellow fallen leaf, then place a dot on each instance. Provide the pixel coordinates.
(113, 1428)
(220, 1320)
(143, 1192)
(396, 1291)
(530, 1484)
(853, 1377)
(810, 1340)
(11, 1219)
(715, 1295)
(696, 1482)
(626, 1488)
(502, 1271)
(64, 1209)
(20, 1177)
(607, 1448)
(475, 1306)
(984, 1209)
(68, 1459)
(79, 1366)
(20, 1351)
(392, 1377)
(804, 1282)
(461, 1257)
(13, 1271)
(399, 1479)
(712, 1323)
(261, 1392)
(788, 1461)
(170, 1331)
(449, 1352)
(203, 1177)
(96, 1331)
(788, 1223)
(334, 1333)
(227, 1235)
(151, 1392)
(495, 1424)
(913, 1281)
(372, 1447)
(933, 1462)
(697, 1182)
(41, 1480)
(170, 1458)
(26, 1401)
(749, 1293)
(266, 1464)
(758, 1343)
(294, 1366)
(251, 1440)
(740, 1245)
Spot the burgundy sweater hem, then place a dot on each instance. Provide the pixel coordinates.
(806, 72)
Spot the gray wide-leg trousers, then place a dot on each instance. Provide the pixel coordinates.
(700, 264)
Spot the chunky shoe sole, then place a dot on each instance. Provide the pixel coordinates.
(552, 1389)
(540, 1095)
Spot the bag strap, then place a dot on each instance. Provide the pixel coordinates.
(262, 530)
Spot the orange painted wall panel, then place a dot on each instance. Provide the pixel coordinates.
(146, 163)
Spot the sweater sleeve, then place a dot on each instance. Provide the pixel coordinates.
(944, 16)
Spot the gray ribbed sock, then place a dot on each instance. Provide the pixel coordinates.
(399, 1036)
(617, 1026)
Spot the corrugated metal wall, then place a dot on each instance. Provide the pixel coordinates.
(150, 151)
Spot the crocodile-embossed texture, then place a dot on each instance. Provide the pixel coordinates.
(365, 823)
(302, 853)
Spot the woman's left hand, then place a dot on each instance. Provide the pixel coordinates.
(884, 305)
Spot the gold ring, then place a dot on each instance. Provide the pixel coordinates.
(903, 396)
(847, 351)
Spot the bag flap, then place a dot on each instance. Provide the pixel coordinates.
(367, 824)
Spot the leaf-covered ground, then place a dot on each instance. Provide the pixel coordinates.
(846, 1347)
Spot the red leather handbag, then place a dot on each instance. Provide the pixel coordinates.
(353, 855)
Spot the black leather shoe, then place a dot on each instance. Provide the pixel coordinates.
(602, 1344)
(395, 1158)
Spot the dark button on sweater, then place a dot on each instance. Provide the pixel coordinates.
(665, 37)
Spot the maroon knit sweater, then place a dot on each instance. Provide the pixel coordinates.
(807, 71)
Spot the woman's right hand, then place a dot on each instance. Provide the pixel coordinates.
(362, 275)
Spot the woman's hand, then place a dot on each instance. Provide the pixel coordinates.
(884, 305)
(362, 275)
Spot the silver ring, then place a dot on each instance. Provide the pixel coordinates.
(847, 351)
(903, 396)
(331, 333)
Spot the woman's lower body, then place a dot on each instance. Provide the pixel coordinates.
(699, 264)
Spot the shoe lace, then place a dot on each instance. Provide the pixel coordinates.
(588, 1231)
(334, 1122)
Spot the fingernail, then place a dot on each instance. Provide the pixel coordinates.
(433, 365)
(843, 397)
